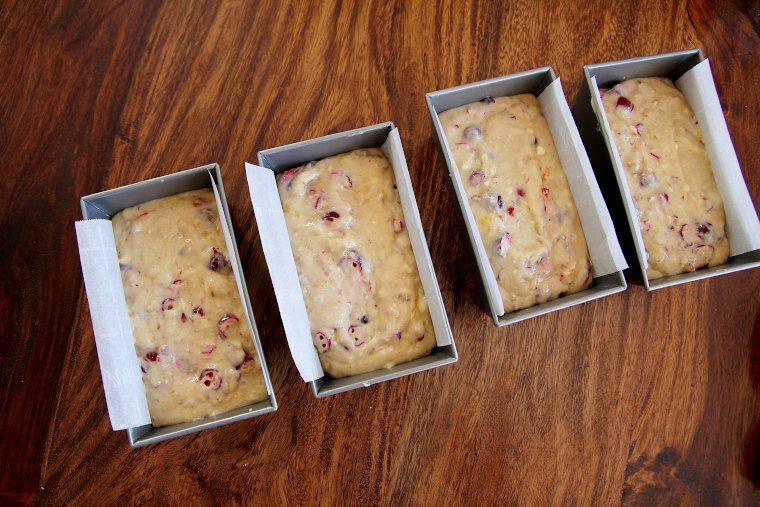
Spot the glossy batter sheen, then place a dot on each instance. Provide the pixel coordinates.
(362, 290)
(190, 330)
(520, 198)
(666, 165)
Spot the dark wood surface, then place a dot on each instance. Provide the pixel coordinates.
(636, 399)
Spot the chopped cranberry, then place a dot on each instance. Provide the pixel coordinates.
(354, 258)
(665, 198)
(197, 203)
(545, 191)
(208, 348)
(488, 100)
(208, 214)
(246, 359)
(477, 177)
(287, 176)
(146, 213)
(624, 102)
(680, 231)
(151, 356)
(167, 304)
(330, 216)
(503, 244)
(499, 201)
(176, 284)
(364, 319)
(210, 378)
(703, 229)
(655, 155)
(199, 311)
(218, 262)
(472, 133)
(639, 128)
(318, 203)
(183, 317)
(398, 226)
(521, 192)
(325, 343)
(420, 338)
(347, 183)
(227, 324)
(358, 341)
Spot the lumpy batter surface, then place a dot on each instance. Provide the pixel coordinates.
(190, 329)
(362, 290)
(679, 208)
(520, 199)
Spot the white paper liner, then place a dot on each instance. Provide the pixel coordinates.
(273, 231)
(275, 242)
(604, 249)
(119, 365)
(742, 225)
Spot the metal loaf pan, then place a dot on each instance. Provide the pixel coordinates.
(105, 205)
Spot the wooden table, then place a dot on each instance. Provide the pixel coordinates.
(639, 398)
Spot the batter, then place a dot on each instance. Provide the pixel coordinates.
(679, 208)
(190, 330)
(520, 199)
(362, 290)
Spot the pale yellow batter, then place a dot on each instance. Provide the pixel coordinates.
(520, 199)
(362, 290)
(679, 208)
(190, 329)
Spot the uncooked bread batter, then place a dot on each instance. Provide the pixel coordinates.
(679, 208)
(191, 333)
(520, 199)
(361, 286)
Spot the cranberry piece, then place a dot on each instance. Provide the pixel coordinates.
(488, 100)
(503, 244)
(151, 356)
(398, 226)
(146, 213)
(354, 259)
(624, 102)
(499, 201)
(680, 231)
(358, 341)
(647, 179)
(318, 203)
(521, 192)
(167, 304)
(287, 176)
(246, 359)
(511, 211)
(477, 177)
(218, 262)
(347, 183)
(183, 317)
(197, 203)
(325, 342)
(330, 216)
(210, 378)
(472, 133)
(176, 284)
(665, 198)
(703, 229)
(420, 338)
(227, 324)
(545, 191)
(208, 348)
(198, 310)
(639, 128)
(364, 319)
(655, 155)
(397, 335)
(208, 214)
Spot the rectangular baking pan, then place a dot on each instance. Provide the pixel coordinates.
(532, 81)
(611, 177)
(105, 205)
(287, 157)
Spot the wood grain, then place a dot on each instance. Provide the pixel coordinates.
(636, 399)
